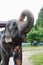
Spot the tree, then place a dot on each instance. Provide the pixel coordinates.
(37, 31)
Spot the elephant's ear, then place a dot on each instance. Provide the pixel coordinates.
(25, 26)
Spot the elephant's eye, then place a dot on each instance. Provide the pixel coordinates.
(14, 23)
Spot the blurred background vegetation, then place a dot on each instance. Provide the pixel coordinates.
(36, 33)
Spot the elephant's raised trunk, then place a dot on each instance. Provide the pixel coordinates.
(25, 26)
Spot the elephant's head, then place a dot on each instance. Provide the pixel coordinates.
(17, 28)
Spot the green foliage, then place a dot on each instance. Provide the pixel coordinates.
(37, 31)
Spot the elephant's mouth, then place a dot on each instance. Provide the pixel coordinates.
(7, 40)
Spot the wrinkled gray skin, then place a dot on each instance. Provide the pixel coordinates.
(16, 30)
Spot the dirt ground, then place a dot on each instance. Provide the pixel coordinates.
(27, 54)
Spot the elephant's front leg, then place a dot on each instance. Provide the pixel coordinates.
(5, 58)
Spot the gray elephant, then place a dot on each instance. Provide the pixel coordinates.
(14, 35)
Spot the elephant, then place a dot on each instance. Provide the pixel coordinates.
(14, 35)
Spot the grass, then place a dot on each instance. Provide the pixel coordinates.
(37, 59)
